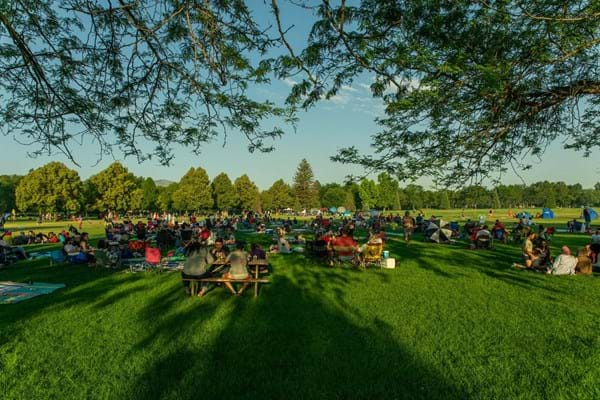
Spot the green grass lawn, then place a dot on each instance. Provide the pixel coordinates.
(448, 323)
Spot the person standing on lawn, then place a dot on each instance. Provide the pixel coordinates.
(408, 222)
(587, 217)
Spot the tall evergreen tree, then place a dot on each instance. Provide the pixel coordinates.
(223, 192)
(305, 190)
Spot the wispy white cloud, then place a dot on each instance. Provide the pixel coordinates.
(348, 88)
(289, 82)
(339, 99)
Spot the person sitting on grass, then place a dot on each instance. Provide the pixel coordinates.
(69, 248)
(18, 252)
(283, 246)
(238, 268)
(85, 247)
(197, 265)
(52, 238)
(545, 256)
(499, 231)
(593, 251)
(529, 253)
(584, 263)
(564, 264)
(596, 236)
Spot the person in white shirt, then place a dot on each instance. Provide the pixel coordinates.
(564, 264)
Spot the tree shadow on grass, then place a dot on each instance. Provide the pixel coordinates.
(289, 342)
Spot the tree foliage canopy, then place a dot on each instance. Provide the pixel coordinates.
(247, 195)
(132, 73)
(193, 191)
(305, 190)
(149, 194)
(8, 185)
(278, 196)
(469, 87)
(116, 189)
(50, 188)
(223, 192)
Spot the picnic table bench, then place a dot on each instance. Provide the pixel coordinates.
(256, 280)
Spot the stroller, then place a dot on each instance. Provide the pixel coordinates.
(483, 242)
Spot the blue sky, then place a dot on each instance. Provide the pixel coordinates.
(346, 119)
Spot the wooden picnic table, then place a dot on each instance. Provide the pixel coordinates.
(257, 264)
(217, 266)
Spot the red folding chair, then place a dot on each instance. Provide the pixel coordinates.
(152, 258)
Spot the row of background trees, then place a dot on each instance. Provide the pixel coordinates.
(56, 188)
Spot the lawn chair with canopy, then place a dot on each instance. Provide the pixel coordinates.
(372, 255)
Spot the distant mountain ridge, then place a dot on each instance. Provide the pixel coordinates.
(163, 182)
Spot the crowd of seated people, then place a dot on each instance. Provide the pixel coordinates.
(78, 249)
(537, 256)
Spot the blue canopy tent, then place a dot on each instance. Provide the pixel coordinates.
(547, 213)
(593, 213)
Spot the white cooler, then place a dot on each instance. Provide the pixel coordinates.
(388, 263)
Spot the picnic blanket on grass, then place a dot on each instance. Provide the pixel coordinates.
(14, 292)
